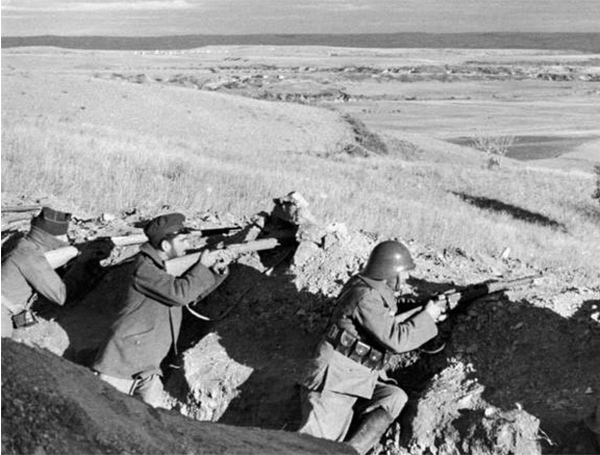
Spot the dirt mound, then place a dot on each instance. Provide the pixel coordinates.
(453, 417)
(50, 405)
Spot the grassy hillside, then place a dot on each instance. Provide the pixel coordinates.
(545, 217)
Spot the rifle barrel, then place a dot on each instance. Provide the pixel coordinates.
(20, 208)
(497, 286)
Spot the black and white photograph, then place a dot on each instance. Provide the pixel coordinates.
(300, 227)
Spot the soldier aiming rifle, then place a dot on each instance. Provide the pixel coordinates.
(346, 394)
(28, 273)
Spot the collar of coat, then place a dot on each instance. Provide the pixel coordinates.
(44, 240)
(382, 288)
(148, 250)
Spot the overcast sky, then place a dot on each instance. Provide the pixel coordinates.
(169, 17)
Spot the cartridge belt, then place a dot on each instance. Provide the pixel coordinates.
(356, 349)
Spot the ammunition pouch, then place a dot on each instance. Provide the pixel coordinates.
(354, 348)
(25, 318)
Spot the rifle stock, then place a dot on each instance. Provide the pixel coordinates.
(59, 257)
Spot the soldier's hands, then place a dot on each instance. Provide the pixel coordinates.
(436, 311)
(218, 260)
(96, 250)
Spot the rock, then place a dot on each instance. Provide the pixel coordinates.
(310, 232)
(453, 417)
(335, 232)
(293, 208)
(107, 217)
(305, 251)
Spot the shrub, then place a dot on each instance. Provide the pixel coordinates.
(495, 147)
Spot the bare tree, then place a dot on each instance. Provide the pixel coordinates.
(495, 146)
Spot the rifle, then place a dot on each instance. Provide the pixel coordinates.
(180, 265)
(20, 208)
(456, 299)
(462, 296)
(61, 256)
(19, 211)
(10, 221)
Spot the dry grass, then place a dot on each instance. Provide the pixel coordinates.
(547, 218)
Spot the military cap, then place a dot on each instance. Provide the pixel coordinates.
(165, 226)
(52, 221)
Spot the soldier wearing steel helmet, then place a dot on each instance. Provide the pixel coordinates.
(346, 379)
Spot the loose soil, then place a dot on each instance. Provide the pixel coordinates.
(517, 374)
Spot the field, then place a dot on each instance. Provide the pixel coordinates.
(76, 123)
(378, 139)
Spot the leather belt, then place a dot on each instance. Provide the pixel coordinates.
(353, 348)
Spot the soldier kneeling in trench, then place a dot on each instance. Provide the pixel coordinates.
(149, 323)
(346, 377)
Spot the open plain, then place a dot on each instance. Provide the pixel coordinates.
(381, 141)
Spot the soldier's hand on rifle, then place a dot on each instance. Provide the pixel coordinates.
(436, 311)
(96, 250)
(218, 260)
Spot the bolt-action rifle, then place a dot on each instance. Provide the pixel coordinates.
(181, 264)
(61, 256)
(457, 298)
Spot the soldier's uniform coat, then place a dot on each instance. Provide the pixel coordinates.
(337, 387)
(26, 272)
(149, 324)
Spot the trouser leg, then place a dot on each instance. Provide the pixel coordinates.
(370, 430)
(387, 396)
(7, 324)
(376, 415)
(150, 390)
(122, 385)
(326, 414)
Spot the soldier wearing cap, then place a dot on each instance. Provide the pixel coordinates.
(27, 274)
(346, 378)
(149, 323)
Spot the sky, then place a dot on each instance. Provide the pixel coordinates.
(227, 17)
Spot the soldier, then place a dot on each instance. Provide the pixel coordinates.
(346, 377)
(27, 274)
(148, 325)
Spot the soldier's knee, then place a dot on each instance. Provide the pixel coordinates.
(396, 402)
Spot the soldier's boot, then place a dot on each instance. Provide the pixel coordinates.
(370, 430)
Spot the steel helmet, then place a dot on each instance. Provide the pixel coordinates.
(387, 260)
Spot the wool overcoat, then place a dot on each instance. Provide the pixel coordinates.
(25, 272)
(149, 324)
(366, 308)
